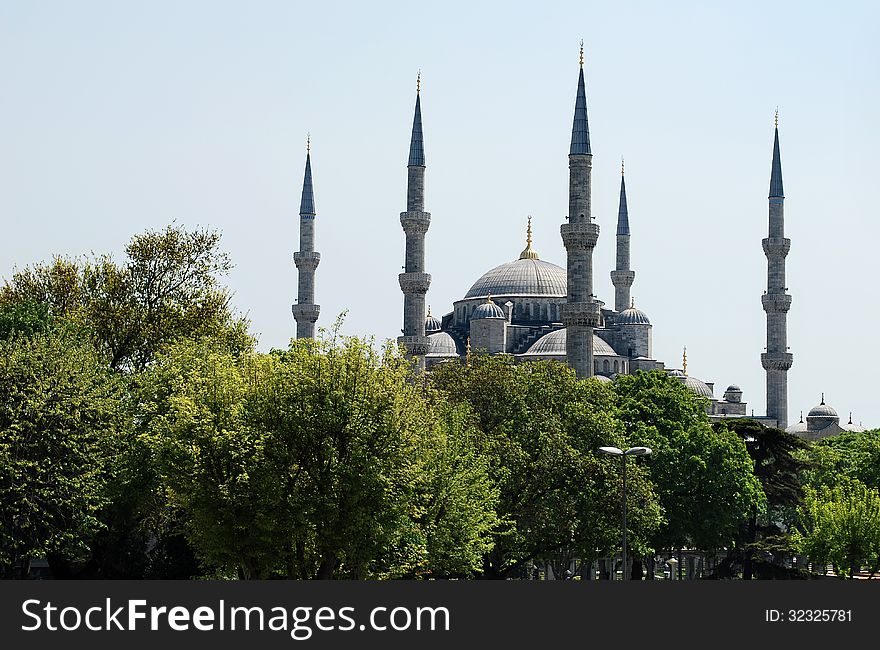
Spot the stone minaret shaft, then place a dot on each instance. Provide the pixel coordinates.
(580, 313)
(414, 282)
(776, 360)
(305, 311)
(622, 276)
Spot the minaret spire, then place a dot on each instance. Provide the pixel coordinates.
(414, 282)
(776, 301)
(622, 276)
(580, 313)
(305, 312)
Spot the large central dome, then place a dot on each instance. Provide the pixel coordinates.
(522, 277)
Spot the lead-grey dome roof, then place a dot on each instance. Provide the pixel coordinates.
(694, 385)
(822, 411)
(487, 310)
(432, 323)
(525, 277)
(554, 343)
(441, 344)
(633, 316)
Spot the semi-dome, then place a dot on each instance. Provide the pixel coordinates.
(554, 344)
(487, 310)
(603, 379)
(522, 277)
(633, 316)
(441, 344)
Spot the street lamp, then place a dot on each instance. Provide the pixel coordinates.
(632, 451)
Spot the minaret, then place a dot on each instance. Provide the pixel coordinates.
(777, 359)
(305, 311)
(580, 313)
(622, 277)
(414, 282)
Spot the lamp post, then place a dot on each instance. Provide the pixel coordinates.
(632, 451)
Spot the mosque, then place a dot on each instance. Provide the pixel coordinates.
(532, 309)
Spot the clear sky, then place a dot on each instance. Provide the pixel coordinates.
(121, 116)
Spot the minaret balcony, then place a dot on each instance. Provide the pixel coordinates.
(776, 302)
(585, 314)
(306, 261)
(621, 278)
(414, 282)
(579, 236)
(415, 345)
(777, 360)
(776, 246)
(305, 313)
(415, 223)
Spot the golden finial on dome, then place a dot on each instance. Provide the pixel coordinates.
(776, 118)
(308, 142)
(419, 82)
(429, 311)
(684, 361)
(489, 299)
(582, 53)
(632, 302)
(621, 165)
(528, 253)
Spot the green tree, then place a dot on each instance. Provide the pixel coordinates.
(558, 496)
(60, 420)
(703, 477)
(841, 524)
(778, 460)
(167, 289)
(318, 462)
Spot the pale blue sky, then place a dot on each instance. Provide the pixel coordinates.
(119, 116)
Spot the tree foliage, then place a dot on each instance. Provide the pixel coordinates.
(60, 419)
(703, 477)
(543, 428)
(840, 524)
(317, 462)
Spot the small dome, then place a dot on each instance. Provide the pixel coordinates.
(487, 310)
(441, 344)
(432, 323)
(733, 394)
(694, 385)
(632, 316)
(554, 344)
(603, 379)
(821, 416)
(822, 411)
(797, 427)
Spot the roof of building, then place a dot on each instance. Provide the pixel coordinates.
(554, 344)
(580, 128)
(307, 205)
(416, 145)
(441, 344)
(487, 310)
(632, 316)
(521, 277)
(695, 385)
(432, 323)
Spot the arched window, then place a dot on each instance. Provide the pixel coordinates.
(616, 366)
(606, 366)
